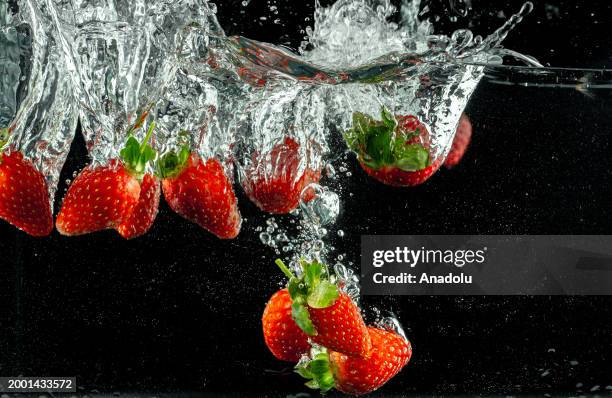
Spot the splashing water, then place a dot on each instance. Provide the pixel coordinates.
(354, 60)
(324, 208)
(36, 102)
(387, 320)
(122, 58)
(237, 99)
(11, 47)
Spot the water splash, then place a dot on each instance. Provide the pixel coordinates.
(122, 58)
(236, 99)
(323, 209)
(36, 101)
(354, 60)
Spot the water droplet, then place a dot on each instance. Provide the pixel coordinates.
(324, 208)
(265, 238)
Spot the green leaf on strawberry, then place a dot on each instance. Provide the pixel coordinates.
(312, 289)
(317, 371)
(4, 137)
(382, 143)
(411, 157)
(172, 163)
(136, 155)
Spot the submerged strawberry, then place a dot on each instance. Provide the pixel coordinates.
(105, 197)
(275, 182)
(358, 375)
(395, 151)
(200, 192)
(24, 198)
(327, 315)
(282, 335)
(145, 211)
(462, 139)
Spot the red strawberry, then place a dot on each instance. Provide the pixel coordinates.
(275, 182)
(463, 136)
(282, 335)
(358, 375)
(143, 215)
(395, 151)
(105, 197)
(200, 192)
(24, 198)
(340, 327)
(399, 178)
(328, 316)
(99, 198)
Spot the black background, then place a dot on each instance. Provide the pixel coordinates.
(179, 310)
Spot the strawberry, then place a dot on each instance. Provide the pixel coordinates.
(104, 197)
(143, 215)
(282, 335)
(24, 197)
(275, 182)
(462, 139)
(200, 192)
(358, 375)
(395, 151)
(329, 317)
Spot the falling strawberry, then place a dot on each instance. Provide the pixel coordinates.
(462, 139)
(105, 197)
(143, 215)
(275, 182)
(24, 198)
(282, 335)
(329, 317)
(395, 151)
(358, 375)
(200, 192)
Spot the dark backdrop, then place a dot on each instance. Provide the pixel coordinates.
(179, 310)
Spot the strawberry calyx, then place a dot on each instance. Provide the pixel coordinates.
(317, 371)
(380, 143)
(135, 155)
(312, 289)
(172, 163)
(5, 134)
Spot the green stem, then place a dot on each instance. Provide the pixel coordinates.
(4, 136)
(284, 268)
(147, 137)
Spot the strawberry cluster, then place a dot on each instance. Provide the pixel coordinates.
(124, 193)
(312, 322)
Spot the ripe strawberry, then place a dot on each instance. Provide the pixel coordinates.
(99, 198)
(275, 181)
(24, 198)
(282, 335)
(105, 197)
(358, 375)
(200, 192)
(143, 215)
(463, 136)
(395, 151)
(328, 316)
(340, 327)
